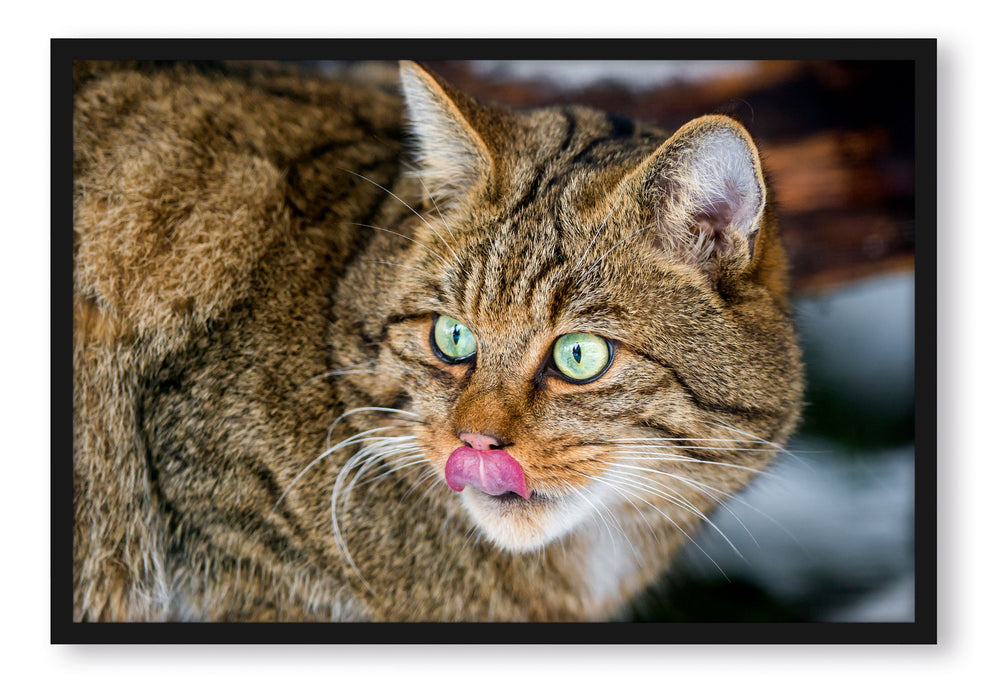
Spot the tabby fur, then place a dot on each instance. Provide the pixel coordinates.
(259, 255)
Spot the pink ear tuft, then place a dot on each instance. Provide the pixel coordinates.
(712, 193)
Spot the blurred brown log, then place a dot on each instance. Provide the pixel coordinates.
(837, 138)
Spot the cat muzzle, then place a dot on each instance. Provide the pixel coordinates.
(494, 472)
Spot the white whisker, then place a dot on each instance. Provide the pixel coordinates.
(729, 496)
(414, 268)
(402, 464)
(759, 439)
(618, 487)
(403, 202)
(599, 230)
(697, 485)
(375, 454)
(362, 409)
(339, 445)
(669, 457)
(415, 171)
(425, 247)
(707, 449)
(437, 481)
(621, 492)
(412, 488)
(674, 498)
(608, 528)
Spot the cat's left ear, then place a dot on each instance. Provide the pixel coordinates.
(705, 186)
(452, 156)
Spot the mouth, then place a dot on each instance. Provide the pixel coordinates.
(518, 524)
(493, 472)
(509, 497)
(513, 516)
(510, 500)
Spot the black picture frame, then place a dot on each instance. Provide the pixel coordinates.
(922, 52)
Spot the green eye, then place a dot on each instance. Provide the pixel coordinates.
(582, 357)
(452, 340)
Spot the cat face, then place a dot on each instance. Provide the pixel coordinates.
(584, 326)
(519, 383)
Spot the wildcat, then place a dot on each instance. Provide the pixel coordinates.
(355, 349)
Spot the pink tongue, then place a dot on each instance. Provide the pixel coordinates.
(493, 471)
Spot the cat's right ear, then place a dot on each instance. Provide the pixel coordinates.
(451, 155)
(707, 191)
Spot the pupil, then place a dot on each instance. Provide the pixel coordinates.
(576, 351)
(456, 334)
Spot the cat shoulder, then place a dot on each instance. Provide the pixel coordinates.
(185, 178)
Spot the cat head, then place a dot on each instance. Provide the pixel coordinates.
(590, 321)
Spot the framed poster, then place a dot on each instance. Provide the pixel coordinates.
(619, 338)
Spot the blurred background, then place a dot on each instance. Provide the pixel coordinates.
(828, 534)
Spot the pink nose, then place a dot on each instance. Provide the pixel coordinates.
(481, 442)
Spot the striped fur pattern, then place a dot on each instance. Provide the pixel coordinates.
(261, 421)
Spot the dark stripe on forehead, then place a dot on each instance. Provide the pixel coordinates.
(521, 249)
(558, 299)
(586, 154)
(455, 284)
(600, 309)
(480, 275)
(620, 128)
(553, 261)
(538, 182)
(570, 169)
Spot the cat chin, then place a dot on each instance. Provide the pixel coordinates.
(518, 525)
